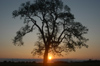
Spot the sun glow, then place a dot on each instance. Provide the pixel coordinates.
(49, 57)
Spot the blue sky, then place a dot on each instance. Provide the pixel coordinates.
(85, 11)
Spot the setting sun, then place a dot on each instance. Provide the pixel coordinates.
(49, 57)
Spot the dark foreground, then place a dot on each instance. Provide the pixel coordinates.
(52, 64)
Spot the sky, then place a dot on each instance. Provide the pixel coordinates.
(86, 12)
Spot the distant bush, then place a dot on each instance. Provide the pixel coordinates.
(60, 62)
(92, 61)
(4, 61)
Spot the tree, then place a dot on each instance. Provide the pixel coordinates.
(58, 32)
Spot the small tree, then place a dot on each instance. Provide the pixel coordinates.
(58, 32)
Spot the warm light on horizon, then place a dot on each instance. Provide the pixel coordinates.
(49, 57)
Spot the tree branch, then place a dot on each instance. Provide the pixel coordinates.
(61, 34)
(44, 20)
(38, 28)
(63, 38)
(39, 17)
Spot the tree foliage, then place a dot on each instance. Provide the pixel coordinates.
(57, 29)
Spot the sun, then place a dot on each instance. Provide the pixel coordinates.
(49, 57)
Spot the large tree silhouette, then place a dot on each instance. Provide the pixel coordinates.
(57, 30)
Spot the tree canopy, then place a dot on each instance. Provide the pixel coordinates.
(57, 30)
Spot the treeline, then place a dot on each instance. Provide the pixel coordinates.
(86, 61)
(18, 62)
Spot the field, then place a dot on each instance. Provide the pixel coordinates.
(51, 64)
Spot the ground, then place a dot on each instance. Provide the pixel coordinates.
(51, 64)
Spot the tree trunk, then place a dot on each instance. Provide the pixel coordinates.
(45, 57)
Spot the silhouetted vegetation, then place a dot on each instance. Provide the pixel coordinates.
(61, 62)
(56, 63)
(93, 63)
(58, 32)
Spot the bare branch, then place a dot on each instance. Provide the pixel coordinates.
(39, 17)
(61, 34)
(38, 28)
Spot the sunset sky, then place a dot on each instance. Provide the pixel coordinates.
(85, 11)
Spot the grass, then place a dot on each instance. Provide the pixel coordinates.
(51, 64)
